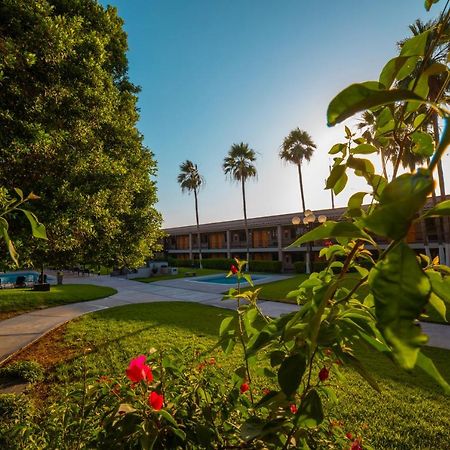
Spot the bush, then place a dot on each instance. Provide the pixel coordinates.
(266, 266)
(30, 371)
(300, 267)
(173, 262)
(13, 406)
(218, 263)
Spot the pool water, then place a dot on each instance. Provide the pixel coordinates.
(30, 277)
(222, 279)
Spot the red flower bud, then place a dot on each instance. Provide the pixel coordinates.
(356, 445)
(293, 409)
(324, 374)
(212, 361)
(155, 401)
(234, 269)
(138, 371)
(349, 436)
(244, 387)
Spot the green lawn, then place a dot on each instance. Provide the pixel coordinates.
(410, 413)
(18, 301)
(278, 290)
(181, 274)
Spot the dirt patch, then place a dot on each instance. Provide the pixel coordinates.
(9, 314)
(49, 350)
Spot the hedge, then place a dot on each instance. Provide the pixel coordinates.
(225, 264)
(317, 266)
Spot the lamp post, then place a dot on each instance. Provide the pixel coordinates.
(308, 219)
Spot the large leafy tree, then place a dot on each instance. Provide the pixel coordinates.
(239, 166)
(190, 180)
(68, 117)
(297, 147)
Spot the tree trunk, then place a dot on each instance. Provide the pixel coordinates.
(300, 180)
(198, 231)
(445, 221)
(245, 222)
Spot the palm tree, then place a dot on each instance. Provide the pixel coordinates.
(190, 180)
(297, 147)
(238, 165)
(437, 50)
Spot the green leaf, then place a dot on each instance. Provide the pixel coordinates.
(378, 184)
(401, 291)
(427, 365)
(419, 120)
(416, 46)
(355, 201)
(227, 324)
(249, 319)
(290, 373)
(335, 174)
(397, 68)
(361, 166)
(424, 145)
(363, 149)
(340, 184)
(441, 209)
(399, 203)
(331, 229)
(9, 242)
(19, 193)
(167, 416)
(248, 278)
(337, 148)
(37, 228)
(359, 97)
(310, 413)
(439, 306)
(439, 285)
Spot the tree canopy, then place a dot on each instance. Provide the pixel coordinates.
(68, 117)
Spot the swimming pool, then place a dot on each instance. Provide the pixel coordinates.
(30, 277)
(222, 279)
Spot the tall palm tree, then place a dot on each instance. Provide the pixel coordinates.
(190, 180)
(238, 165)
(437, 51)
(297, 147)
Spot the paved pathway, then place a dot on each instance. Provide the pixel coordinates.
(21, 331)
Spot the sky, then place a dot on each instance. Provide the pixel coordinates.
(218, 72)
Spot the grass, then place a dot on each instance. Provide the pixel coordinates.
(181, 274)
(278, 290)
(410, 413)
(18, 301)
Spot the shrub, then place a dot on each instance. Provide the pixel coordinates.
(30, 371)
(217, 263)
(300, 267)
(266, 266)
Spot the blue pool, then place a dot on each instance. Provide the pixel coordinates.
(30, 277)
(222, 279)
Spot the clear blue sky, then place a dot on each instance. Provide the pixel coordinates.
(215, 72)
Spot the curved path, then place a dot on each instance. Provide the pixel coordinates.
(21, 331)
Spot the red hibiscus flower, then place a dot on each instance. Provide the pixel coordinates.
(293, 409)
(244, 387)
(233, 269)
(324, 374)
(138, 370)
(155, 401)
(349, 436)
(356, 445)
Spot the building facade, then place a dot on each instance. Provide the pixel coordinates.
(270, 237)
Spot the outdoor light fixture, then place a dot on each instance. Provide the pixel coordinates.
(308, 219)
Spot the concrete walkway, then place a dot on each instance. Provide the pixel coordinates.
(20, 331)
